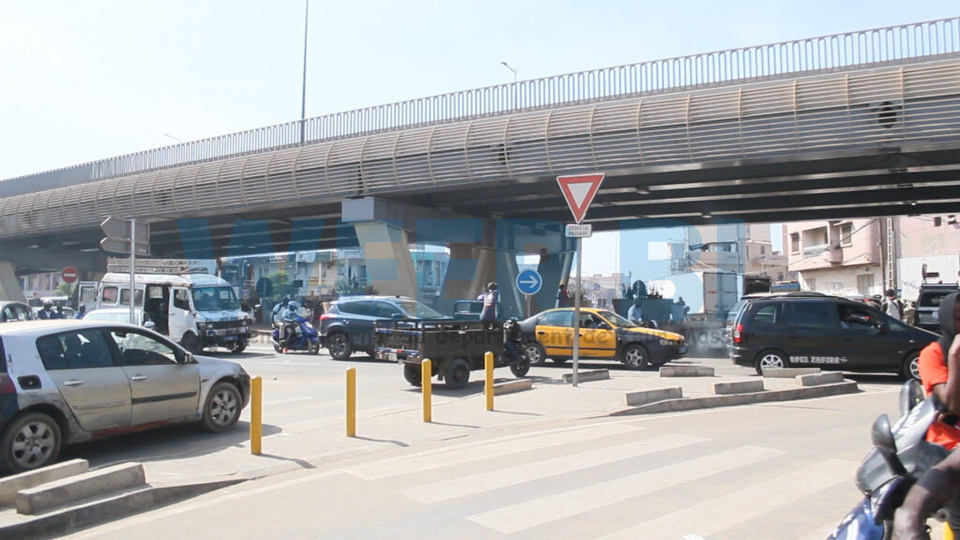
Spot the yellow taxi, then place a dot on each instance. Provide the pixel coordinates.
(603, 335)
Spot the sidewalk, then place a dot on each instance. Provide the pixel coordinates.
(310, 444)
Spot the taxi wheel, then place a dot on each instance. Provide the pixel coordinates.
(771, 359)
(911, 367)
(413, 374)
(636, 357)
(535, 354)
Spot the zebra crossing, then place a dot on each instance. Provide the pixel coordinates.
(598, 481)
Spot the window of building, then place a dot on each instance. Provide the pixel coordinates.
(846, 234)
(794, 242)
(763, 250)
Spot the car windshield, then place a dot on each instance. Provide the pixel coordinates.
(215, 298)
(616, 320)
(420, 311)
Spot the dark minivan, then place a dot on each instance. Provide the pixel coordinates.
(828, 332)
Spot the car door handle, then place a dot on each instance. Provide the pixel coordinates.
(72, 382)
(138, 378)
(541, 333)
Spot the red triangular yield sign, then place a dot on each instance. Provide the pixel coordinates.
(579, 192)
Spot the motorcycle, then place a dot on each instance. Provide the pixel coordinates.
(513, 353)
(900, 455)
(303, 337)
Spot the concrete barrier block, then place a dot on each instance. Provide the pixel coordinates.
(686, 371)
(816, 379)
(10, 485)
(737, 387)
(68, 490)
(584, 376)
(643, 397)
(789, 373)
(509, 387)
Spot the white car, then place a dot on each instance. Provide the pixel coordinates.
(119, 315)
(66, 381)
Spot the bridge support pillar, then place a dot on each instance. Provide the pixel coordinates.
(387, 255)
(9, 284)
(554, 269)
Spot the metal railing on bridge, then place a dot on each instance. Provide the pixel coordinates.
(840, 51)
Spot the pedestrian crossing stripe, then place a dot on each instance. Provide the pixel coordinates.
(458, 456)
(502, 478)
(544, 510)
(710, 517)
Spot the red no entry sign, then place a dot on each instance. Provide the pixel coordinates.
(70, 274)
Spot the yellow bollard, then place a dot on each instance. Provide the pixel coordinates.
(426, 374)
(488, 386)
(351, 402)
(947, 532)
(256, 419)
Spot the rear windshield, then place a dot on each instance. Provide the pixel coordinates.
(932, 298)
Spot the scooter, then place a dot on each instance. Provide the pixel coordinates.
(900, 455)
(303, 338)
(513, 354)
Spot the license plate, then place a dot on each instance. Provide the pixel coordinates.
(683, 349)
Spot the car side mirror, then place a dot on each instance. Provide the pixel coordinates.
(189, 358)
(149, 325)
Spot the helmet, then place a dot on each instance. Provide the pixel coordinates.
(293, 305)
(492, 286)
(48, 304)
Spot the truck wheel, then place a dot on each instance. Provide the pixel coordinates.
(238, 346)
(535, 354)
(413, 374)
(190, 342)
(339, 346)
(771, 359)
(636, 357)
(520, 367)
(29, 442)
(458, 373)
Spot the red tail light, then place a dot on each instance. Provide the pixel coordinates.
(324, 317)
(6, 385)
(738, 334)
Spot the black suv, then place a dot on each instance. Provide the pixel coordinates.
(827, 332)
(348, 325)
(928, 304)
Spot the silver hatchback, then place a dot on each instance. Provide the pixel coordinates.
(66, 381)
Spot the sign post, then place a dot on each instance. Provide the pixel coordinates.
(125, 236)
(579, 191)
(529, 283)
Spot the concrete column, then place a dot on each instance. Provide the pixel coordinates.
(511, 301)
(554, 269)
(9, 284)
(471, 267)
(387, 255)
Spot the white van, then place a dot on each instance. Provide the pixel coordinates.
(196, 310)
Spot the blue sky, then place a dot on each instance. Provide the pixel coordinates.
(87, 80)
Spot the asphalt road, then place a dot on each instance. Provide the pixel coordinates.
(775, 470)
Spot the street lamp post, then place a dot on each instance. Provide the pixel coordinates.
(514, 88)
(303, 94)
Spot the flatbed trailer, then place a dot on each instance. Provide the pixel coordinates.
(454, 348)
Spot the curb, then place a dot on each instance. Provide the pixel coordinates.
(708, 402)
(71, 520)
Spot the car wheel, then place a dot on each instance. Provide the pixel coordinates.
(771, 359)
(413, 374)
(190, 342)
(30, 442)
(535, 354)
(457, 375)
(520, 367)
(238, 346)
(911, 367)
(339, 346)
(636, 357)
(222, 409)
(559, 361)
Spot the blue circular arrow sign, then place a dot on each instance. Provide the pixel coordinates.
(529, 282)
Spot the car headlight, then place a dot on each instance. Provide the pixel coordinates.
(202, 325)
(666, 342)
(246, 321)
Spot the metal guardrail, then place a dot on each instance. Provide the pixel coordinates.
(852, 49)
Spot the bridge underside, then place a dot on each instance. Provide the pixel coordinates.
(891, 181)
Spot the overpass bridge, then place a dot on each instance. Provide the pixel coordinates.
(859, 124)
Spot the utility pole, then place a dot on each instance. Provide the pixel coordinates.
(303, 93)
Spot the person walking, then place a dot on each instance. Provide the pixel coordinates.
(563, 299)
(892, 305)
(635, 313)
(81, 312)
(47, 312)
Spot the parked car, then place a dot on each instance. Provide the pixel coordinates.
(67, 381)
(119, 315)
(827, 332)
(11, 311)
(348, 325)
(927, 314)
(604, 335)
(735, 310)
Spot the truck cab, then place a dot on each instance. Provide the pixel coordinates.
(196, 310)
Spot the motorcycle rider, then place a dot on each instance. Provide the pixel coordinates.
(940, 375)
(47, 312)
(288, 321)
